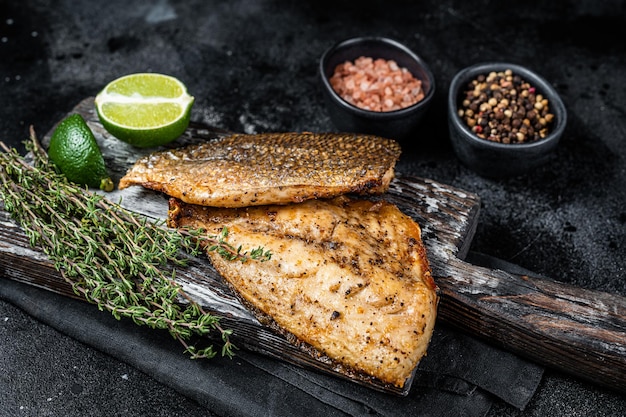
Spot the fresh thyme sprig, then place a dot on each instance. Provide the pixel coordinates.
(120, 261)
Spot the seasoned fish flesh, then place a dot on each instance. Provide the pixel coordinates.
(348, 281)
(272, 168)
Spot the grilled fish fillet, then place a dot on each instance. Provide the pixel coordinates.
(273, 168)
(349, 278)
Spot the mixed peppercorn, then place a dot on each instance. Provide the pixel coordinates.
(503, 107)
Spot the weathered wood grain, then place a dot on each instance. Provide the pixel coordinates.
(578, 331)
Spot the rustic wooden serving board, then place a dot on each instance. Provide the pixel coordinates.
(578, 331)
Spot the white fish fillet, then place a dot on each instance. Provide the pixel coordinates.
(348, 278)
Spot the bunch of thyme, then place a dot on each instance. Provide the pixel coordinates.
(114, 258)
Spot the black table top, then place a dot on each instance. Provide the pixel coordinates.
(251, 66)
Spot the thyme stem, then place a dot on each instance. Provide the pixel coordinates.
(112, 257)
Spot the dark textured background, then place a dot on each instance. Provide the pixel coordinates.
(252, 67)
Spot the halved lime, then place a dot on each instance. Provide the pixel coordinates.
(74, 150)
(145, 109)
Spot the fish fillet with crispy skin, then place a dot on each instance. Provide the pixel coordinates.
(349, 278)
(272, 168)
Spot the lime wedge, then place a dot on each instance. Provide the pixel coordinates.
(145, 109)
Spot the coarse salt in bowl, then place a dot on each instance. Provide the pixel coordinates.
(380, 72)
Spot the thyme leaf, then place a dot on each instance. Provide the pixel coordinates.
(112, 257)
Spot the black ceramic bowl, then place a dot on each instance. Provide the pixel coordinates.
(494, 159)
(396, 124)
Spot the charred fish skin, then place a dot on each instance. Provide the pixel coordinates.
(270, 168)
(348, 277)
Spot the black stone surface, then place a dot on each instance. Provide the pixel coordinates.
(252, 67)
